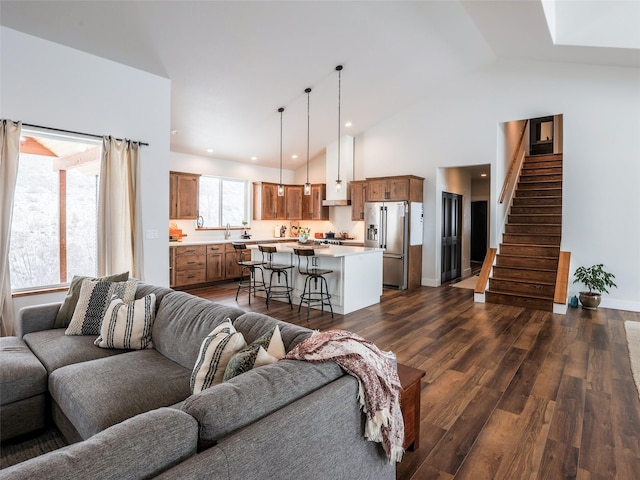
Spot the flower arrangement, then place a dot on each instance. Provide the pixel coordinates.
(304, 231)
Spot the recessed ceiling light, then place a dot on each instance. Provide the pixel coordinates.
(175, 132)
(348, 124)
(254, 158)
(483, 174)
(210, 150)
(294, 156)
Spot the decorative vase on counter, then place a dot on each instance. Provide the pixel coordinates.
(302, 238)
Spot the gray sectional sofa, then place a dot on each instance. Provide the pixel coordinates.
(130, 414)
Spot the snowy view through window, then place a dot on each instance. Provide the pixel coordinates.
(222, 201)
(39, 255)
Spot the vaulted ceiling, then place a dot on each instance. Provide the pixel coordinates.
(232, 64)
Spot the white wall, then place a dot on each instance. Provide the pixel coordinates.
(48, 84)
(459, 124)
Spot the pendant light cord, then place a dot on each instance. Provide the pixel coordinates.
(339, 69)
(308, 91)
(281, 109)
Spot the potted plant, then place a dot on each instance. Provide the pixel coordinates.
(597, 280)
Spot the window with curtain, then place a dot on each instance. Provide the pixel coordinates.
(222, 201)
(54, 227)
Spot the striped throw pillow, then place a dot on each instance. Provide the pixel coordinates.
(128, 325)
(95, 297)
(215, 352)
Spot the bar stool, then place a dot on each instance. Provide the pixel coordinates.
(240, 252)
(279, 269)
(314, 273)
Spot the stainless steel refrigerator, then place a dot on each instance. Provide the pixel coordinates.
(386, 226)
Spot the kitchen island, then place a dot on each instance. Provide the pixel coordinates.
(356, 281)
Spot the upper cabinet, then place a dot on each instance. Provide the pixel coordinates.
(183, 195)
(358, 189)
(405, 187)
(293, 201)
(312, 208)
(267, 205)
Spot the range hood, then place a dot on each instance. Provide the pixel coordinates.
(340, 198)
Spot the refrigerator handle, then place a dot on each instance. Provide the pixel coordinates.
(381, 224)
(384, 227)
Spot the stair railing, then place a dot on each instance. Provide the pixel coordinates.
(562, 278)
(483, 278)
(514, 162)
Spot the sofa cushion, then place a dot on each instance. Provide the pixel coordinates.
(141, 447)
(21, 373)
(255, 394)
(64, 315)
(182, 323)
(254, 325)
(94, 299)
(97, 394)
(144, 289)
(55, 349)
(128, 325)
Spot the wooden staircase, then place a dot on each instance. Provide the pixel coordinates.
(527, 262)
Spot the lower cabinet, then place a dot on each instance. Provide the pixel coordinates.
(189, 265)
(215, 262)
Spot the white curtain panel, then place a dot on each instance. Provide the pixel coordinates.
(9, 155)
(119, 213)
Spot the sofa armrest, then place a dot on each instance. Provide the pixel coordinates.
(36, 318)
(140, 447)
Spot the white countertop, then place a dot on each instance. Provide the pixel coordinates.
(325, 250)
(185, 242)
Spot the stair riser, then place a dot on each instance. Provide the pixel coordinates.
(526, 178)
(539, 185)
(542, 164)
(536, 219)
(537, 209)
(531, 239)
(526, 262)
(533, 303)
(534, 229)
(508, 273)
(542, 192)
(526, 201)
(545, 157)
(530, 250)
(519, 288)
(527, 170)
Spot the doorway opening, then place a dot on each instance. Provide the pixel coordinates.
(451, 236)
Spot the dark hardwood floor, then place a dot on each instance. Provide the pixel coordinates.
(509, 393)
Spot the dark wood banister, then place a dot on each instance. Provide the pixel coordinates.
(513, 163)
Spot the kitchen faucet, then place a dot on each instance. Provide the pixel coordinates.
(227, 232)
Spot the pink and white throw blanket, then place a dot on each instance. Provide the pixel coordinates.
(379, 385)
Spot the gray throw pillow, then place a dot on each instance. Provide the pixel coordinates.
(71, 300)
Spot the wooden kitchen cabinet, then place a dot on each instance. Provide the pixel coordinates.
(405, 187)
(267, 205)
(312, 208)
(293, 200)
(358, 189)
(183, 195)
(190, 265)
(215, 262)
(231, 268)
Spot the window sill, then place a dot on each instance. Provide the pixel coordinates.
(26, 292)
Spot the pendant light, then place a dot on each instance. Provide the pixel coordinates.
(307, 185)
(338, 181)
(280, 185)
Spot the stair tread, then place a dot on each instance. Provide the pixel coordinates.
(537, 257)
(529, 269)
(523, 281)
(520, 295)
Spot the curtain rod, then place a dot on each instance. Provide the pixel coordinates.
(75, 133)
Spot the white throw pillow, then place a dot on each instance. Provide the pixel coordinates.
(95, 297)
(215, 352)
(128, 325)
(264, 350)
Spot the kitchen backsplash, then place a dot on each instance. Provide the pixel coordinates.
(266, 228)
